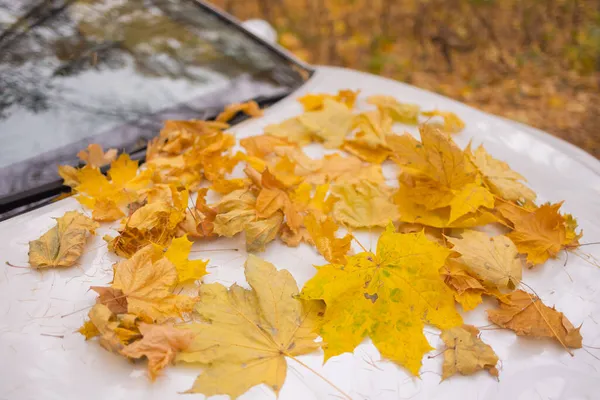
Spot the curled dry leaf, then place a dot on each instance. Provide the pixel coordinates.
(466, 353)
(159, 344)
(63, 244)
(249, 333)
(494, 260)
(114, 333)
(526, 315)
(388, 296)
(540, 232)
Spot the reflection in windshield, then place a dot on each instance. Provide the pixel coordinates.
(110, 71)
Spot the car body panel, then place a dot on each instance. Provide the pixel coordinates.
(44, 358)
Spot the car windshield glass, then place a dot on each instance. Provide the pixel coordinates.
(77, 72)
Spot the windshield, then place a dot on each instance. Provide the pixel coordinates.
(110, 72)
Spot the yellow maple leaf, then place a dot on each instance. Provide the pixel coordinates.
(250, 108)
(346, 170)
(540, 233)
(437, 174)
(291, 129)
(69, 174)
(466, 353)
(159, 344)
(272, 197)
(234, 212)
(364, 205)
(95, 157)
(494, 260)
(526, 315)
(225, 186)
(502, 180)
(330, 124)
(315, 101)
(187, 270)
(62, 245)
(440, 218)
(322, 233)
(249, 332)
(452, 123)
(388, 296)
(147, 280)
(370, 142)
(399, 112)
(262, 145)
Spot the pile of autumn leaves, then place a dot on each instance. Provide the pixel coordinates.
(428, 258)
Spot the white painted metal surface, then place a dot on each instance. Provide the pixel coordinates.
(35, 366)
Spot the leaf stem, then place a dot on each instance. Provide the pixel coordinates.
(344, 394)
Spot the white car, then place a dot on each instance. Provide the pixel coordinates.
(72, 73)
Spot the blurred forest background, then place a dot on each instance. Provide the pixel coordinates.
(534, 61)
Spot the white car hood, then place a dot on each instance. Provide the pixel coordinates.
(42, 357)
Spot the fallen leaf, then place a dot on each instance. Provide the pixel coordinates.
(250, 108)
(263, 145)
(437, 174)
(312, 101)
(388, 296)
(249, 333)
(262, 231)
(502, 180)
(95, 157)
(468, 290)
(494, 260)
(452, 123)
(364, 205)
(540, 233)
(114, 333)
(147, 280)
(344, 170)
(114, 299)
(187, 270)
(63, 244)
(291, 129)
(331, 124)
(322, 233)
(400, 112)
(526, 315)
(159, 344)
(466, 353)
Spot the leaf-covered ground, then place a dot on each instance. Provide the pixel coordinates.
(534, 62)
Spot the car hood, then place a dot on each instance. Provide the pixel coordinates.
(42, 357)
